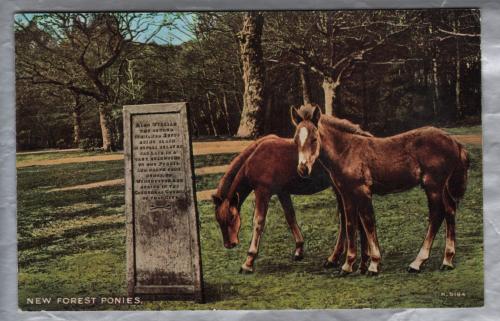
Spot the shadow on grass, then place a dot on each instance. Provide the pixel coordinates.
(43, 243)
(215, 292)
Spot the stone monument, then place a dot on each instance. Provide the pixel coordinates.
(163, 247)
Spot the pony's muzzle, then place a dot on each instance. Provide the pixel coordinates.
(303, 170)
(230, 245)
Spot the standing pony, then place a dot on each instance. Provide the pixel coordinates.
(268, 167)
(360, 166)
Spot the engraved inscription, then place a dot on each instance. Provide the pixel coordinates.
(160, 192)
(158, 159)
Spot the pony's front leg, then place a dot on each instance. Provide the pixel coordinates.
(367, 219)
(333, 260)
(286, 203)
(351, 227)
(262, 198)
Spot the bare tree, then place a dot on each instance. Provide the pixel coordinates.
(330, 42)
(77, 51)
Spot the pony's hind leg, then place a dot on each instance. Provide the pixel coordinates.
(262, 198)
(340, 245)
(333, 260)
(287, 204)
(449, 216)
(436, 216)
(363, 267)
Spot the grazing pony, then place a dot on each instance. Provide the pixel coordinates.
(361, 165)
(268, 167)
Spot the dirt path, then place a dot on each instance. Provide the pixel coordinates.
(199, 148)
(200, 196)
(111, 182)
(120, 181)
(220, 147)
(469, 139)
(50, 151)
(70, 160)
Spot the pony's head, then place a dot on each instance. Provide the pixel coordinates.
(306, 137)
(228, 216)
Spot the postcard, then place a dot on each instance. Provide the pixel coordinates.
(237, 160)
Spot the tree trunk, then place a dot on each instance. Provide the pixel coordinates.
(211, 116)
(268, 115)
(104, 121)
(77, 121)
(329, 88)
(435, 81)
(457, 76)
(304, 79)
(435, 75)
(253, 74)
(365, 98)
(226, 112)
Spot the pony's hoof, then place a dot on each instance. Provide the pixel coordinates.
(445, 267)
(330, 265)
(344, 273)
(371, 273)
(299, 257)
(413, 270)
(246, 270)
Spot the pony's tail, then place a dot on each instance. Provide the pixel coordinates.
(457, 182)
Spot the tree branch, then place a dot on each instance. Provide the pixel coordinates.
(459, 34)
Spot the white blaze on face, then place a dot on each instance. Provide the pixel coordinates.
(302, 136)
(302, 140)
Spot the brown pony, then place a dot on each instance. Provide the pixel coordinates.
(360, 166)
(268, 167)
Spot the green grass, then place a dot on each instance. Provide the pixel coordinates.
(213, 160)
(72, 244)
(207, 181)
(470, 130)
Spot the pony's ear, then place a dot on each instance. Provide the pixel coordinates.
(235, 200)
(316, 115)
(294, 115)
(217, 200)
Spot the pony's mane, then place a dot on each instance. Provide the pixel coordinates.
(344, 125)
(226, 181)
(306, 112)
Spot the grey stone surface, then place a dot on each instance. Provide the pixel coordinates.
(163, 251)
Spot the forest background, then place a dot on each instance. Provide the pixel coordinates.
(388, 70)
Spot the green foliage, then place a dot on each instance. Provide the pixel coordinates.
(88, 144)
(72, 244)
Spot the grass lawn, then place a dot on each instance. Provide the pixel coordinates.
(469, 130)
(72, 244)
